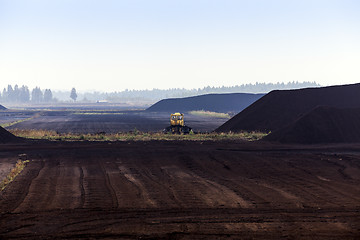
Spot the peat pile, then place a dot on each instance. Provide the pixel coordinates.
(321, 125)
(6, 137)
(2, 107)
(282, 107)
(233, 102)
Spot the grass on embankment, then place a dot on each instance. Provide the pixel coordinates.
(20, 165)
(97, 113)
(135, 136)
(5, 125)
(210, 114)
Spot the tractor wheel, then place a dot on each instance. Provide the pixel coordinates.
(167, 130)
(185, 130)
(176, 130)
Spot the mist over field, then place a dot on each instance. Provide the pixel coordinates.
(16, 94)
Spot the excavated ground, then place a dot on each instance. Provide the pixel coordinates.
(181, 190)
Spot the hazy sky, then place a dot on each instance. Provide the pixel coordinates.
(137, 44)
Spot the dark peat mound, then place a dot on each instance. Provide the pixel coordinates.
(232, 102)
(321, 125)
(6, 137)
(282, 107)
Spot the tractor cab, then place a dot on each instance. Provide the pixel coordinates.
(177, 119)
(177, 124)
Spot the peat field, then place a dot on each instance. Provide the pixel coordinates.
(102, 121)
(181, 190)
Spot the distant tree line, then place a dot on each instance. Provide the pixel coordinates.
(24, 95)
(158, 94)
(36, 95)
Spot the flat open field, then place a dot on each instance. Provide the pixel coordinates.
(105, 120)
(182, 190)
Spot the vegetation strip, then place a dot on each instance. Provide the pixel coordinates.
(9, 124)
(135, 136)
(20, 165)
(97, 113)
(210, 114)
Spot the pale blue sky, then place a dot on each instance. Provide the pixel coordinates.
(138, 44)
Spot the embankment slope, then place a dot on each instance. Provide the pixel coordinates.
(233, 102)
(321, 125)
(6, 137)
(282, 107)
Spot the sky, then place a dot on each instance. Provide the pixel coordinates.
(113, 45)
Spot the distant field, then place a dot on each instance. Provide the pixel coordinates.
(109, 121)
(11, 116)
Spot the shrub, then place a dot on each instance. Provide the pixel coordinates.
(136, 135)
(19, 166)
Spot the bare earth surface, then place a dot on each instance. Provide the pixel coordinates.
(6, 165)
(182, 190)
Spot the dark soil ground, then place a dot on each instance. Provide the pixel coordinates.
(181, 190)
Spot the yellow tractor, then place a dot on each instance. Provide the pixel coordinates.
(177, 124)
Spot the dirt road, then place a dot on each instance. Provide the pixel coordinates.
(182, 190)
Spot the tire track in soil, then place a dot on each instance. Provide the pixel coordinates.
(274, 189)
(152, 186)
(166, 194)
(155, 183)
(314, 190)
(115, 203)
(201, 190)
(302, 186)
(14, 194)
(205, 193)
(68, 187)
(238, 185)
(81, 184)
(161, 185)
(143, 193)
(124, 178)
(122, 192)
(96, 191)
(306, 189)
(322, 192)
(229, 175)
(42, 189)
(127, 193)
